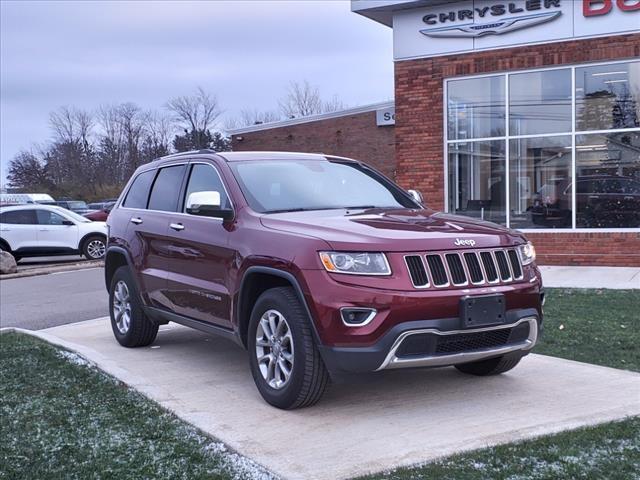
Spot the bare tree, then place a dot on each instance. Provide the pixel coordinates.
(71, 124)
(333, 105)
(301, 100)
(197, 112)
(250, 117)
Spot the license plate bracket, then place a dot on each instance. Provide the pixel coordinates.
(481, 310)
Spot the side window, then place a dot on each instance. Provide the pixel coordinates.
(166, 189)
(45, 217)
(205, 178)
(19, 217)
(139, 191)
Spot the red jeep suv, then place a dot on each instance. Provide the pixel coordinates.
(319, 266)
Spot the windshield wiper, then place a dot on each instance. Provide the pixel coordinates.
(287, 210)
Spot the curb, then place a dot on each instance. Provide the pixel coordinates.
(36, 271)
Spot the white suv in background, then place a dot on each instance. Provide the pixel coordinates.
(43, 230)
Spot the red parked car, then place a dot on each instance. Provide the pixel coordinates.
(319, 266)
(101, 214)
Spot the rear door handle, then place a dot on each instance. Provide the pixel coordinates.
(177, 226)
(136, 220)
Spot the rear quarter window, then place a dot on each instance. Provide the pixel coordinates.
(139, 191)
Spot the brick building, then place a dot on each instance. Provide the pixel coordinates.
(524, 113)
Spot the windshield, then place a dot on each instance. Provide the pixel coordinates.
(280, 186)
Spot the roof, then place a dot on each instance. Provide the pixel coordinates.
(312, 118)
(243, 156)
(381, 11)
(249, 156)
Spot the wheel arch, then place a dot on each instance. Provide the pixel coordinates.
(115, 258)
(4, 243)
(255, 281)
(88, 235)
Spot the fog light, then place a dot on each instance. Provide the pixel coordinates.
(356, 316)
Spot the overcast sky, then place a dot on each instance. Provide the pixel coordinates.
(89, 53)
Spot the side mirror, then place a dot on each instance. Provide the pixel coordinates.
(416, 195)
(207, 204)
(68, 223)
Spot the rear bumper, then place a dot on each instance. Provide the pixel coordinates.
(437, 343)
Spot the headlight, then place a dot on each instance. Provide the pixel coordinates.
(355, 263)
(527, 253)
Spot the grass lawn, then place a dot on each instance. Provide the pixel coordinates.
(593, 326)
(60, 418)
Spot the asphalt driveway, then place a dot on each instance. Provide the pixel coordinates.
(384, 421)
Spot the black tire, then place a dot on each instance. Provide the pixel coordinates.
(142, 330)
(309, 378)
(492, 366)
(90, 243)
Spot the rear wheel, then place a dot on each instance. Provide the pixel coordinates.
(130, 325)
(94, 247)
(492, 366)
(285, 362)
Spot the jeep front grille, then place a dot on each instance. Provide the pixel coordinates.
(441, 270)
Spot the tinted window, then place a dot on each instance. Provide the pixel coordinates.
(205, 178)
(166, 189)
(19, 217)
(139, 191)
(45, 217)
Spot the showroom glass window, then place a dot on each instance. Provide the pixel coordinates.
(558, 149)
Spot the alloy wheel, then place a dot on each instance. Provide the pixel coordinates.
(96, 249)
(122, 307)
(274, 349)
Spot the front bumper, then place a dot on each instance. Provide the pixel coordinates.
(437, 343)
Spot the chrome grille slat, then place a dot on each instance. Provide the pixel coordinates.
(503, 266)
(417, 271)
(514, 261)
(464, 267)
(457, 273)
(437, 270)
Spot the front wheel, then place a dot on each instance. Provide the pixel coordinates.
(94, 247)
(285, 362)
(130, 325)
(492, 366)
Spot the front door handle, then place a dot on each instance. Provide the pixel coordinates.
(177, 226)
(136, 220)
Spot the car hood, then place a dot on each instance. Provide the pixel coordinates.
(402, 230)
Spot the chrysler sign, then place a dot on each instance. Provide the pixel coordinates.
(474, 25)
(500, 18)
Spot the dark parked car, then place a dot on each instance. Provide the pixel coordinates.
(319, 266)
(601, 200)
(78, 206)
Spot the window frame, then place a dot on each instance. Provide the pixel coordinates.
(185, 185)
(507, 137)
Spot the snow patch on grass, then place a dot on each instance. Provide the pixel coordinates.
(74, 358)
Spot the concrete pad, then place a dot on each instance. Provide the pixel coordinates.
(390, 419)
(591, 277)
